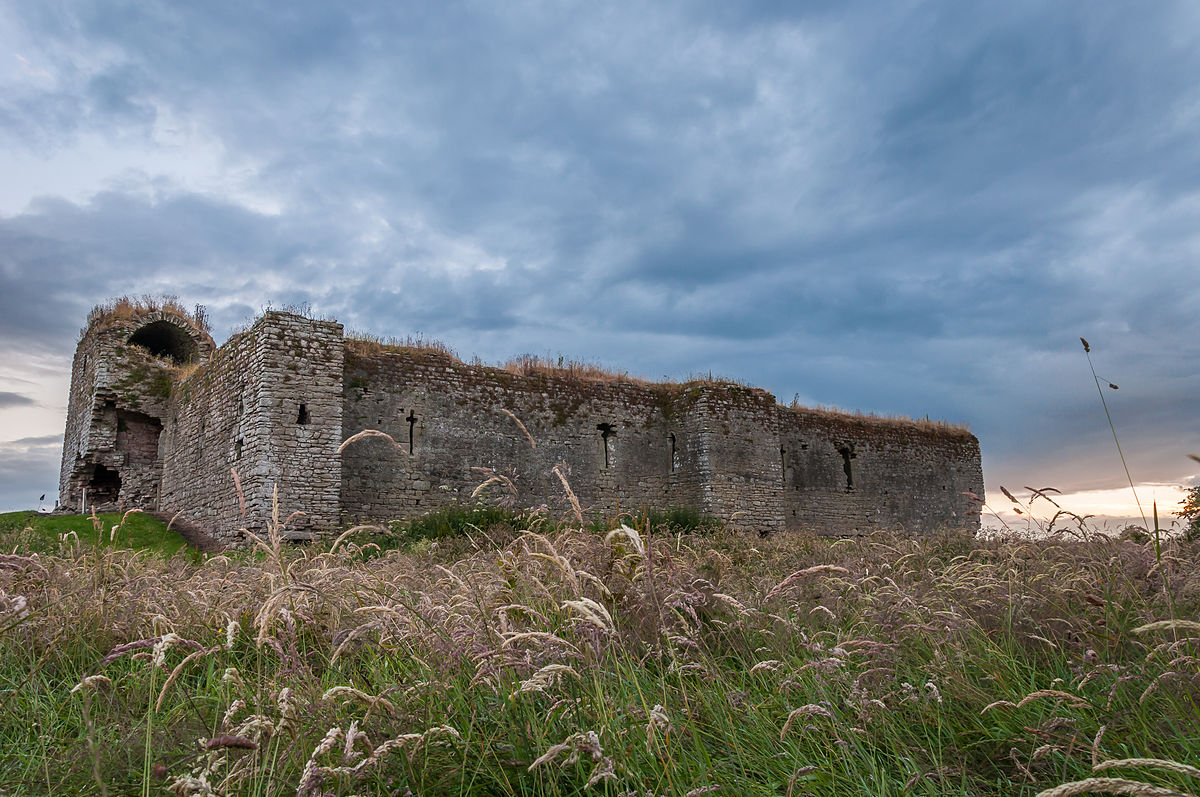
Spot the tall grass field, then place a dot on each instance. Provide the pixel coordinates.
(529, 656)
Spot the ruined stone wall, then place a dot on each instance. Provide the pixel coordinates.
(242, 412)
(727, 450)
(737, 434)
(846, 474)
(71, 476)
(274, 403)
(115, 413)
(448, 419)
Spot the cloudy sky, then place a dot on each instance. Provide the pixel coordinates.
(911, 207)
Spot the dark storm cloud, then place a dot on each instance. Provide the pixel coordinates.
(916, 210)
(9, 400)
(28, 469)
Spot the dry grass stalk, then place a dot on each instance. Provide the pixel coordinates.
(592, 612)
(1096, 745)
(228, 740)
(365, 343)
(810, 710)
(544, 679)
(1111, 786)
(1169, 625)
(143, 644)
(799, 773)
(91, 682)
(557, 470)
(349, 693)
(368, 433)
(799, 574)
(1056, 694)
(529, 620)
(350, 532)
(630, 534)
(178, 669)
(237, 485)
(492, 477)
(1151, 763)
(521, 426)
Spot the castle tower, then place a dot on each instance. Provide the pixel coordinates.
(127, 360)
(255, 431)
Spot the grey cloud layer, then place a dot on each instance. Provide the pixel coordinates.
(8, 399)
(914, 210)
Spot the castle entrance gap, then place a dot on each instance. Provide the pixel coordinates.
(104, 486)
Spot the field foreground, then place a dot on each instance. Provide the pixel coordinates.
(562, 661)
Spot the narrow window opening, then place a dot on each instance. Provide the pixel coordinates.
(671, 437)
(412, 424)
(237, 449)
(783, 462)
(606, 431)
(302, 415)
(847, 452)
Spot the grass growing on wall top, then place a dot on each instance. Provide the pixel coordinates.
(125, 308)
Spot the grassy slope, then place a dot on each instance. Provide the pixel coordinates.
(138, 531)
(563, 658)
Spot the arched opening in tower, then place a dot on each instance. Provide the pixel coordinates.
(166, 340)
(104, 487)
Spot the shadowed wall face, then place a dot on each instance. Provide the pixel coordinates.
(849, 475)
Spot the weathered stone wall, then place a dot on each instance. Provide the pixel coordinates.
(448, 421)
(737, 433)
(241, 412)
(845, 474)
(274, 403)
(116, 410)
(728, 450)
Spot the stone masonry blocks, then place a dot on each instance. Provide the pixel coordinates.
(253, 428)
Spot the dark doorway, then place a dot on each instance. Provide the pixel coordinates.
(104, 486)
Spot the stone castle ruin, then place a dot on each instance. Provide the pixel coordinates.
(160, 418)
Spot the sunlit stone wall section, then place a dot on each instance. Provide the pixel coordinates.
(268, 407)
